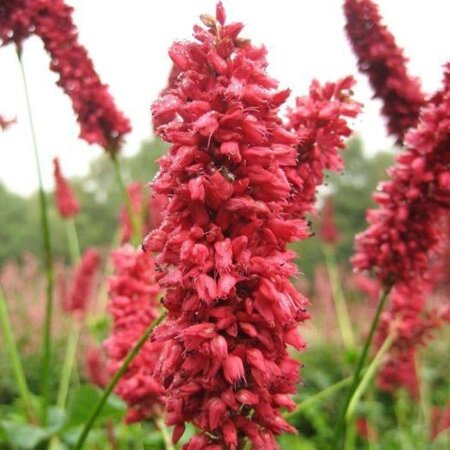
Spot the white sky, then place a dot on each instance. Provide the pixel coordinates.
(128, 42)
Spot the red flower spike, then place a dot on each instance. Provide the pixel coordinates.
(327, 228)
(82, 289)
(232, 310)
(133, 306)
(51, 20)
(385, 65)
(405, 233)
(320, 123)
(66, 201)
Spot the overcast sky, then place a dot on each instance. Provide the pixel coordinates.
(128, 42)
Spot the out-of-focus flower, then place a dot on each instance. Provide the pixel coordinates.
(440, 420)
(66, 201)
(328, 231)
(83, 285)
(405, 233)
(133, 306)
(135, 194)
(51, 20)
(222, 244)
(145, 207)
(383, 62)
(413, 322)
(366, 285)
(96, 366)
(6, 123)
(320, 121)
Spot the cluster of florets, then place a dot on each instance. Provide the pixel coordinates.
(51, 20)
(320, 121)
(385, 65)
(134, 306)
(83, 284)
(223, 260)
(406, 231)
(66, 201)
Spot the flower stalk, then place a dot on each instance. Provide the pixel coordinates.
(340, 304)
(368, 376)
(17, 367)
(340, 431)
(136, 225)
(114, 380)
(48, 257)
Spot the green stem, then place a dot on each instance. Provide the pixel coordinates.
(165, 434)
(46, 351)
(134, 219)
(69, 360)
(17, 367)
(72, 240)
(368, 376)
(425, 401)
(323, 394)
(340, 304)
(122, 369)
(72, 341)
(359, 366)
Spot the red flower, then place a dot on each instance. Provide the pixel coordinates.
(96, 366)
(66, 201)
(222, 244)
(406, 231)
(320, 122)
(83, 283)
(135, 194)
(385, 65)
(100, 121)
(327, 230)
(133, 307)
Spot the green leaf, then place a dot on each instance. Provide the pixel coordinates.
(56, 419)
(83, 402)
(24, 436)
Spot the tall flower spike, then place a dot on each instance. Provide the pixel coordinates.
(66, 201)
(383, 62)
(51, 20)
(133, 307)
(82, 288)
(320, 122)
(405, 232)
(222, 244)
